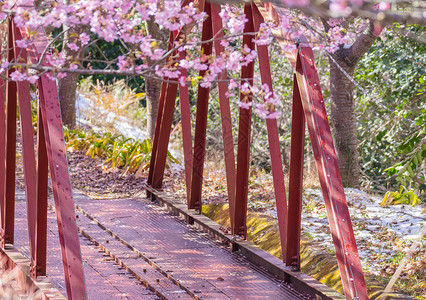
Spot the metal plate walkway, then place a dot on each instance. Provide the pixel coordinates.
(135, 249)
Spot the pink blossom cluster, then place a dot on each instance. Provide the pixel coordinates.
(233, 19)
(124, 21)
(21, 76)
(267, 102)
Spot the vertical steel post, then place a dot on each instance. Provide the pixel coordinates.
(11, 99)
(238, 211)
(2, 160)
(292, 251)
(329, 175)
(201, 121)
(62, 193)
(164, 88)
(42, 183)
(165, 126)
(273, 139)
(28, 155)
(156, 132)
(164, 135)
(225, 110)
(185, 113)
(41, 169)
(61, 185)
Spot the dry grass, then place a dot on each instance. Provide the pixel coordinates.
(116, 98)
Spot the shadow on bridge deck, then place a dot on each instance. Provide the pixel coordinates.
(135, 249)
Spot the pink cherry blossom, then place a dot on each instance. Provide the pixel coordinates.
(383, 6)
(245, 105)
(232, 84)
(84, 39)
(18, 76)
(32, 79)
(73, 47)
(21, 43)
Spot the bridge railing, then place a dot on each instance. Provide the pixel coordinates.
(308, 108)
(49, 154)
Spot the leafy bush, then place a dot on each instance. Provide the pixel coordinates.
(392, 127)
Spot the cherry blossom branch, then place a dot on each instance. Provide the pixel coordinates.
(323, 9)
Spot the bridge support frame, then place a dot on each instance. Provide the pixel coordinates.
(309, 109)
(50, 154)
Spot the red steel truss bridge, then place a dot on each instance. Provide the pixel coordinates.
(135, 249)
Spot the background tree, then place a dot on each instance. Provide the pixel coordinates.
(153, 85)
(145, 46)
(67, 86)
(343, 115)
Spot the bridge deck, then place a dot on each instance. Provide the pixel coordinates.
(129, 241)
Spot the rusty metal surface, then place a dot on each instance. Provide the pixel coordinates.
(195, 260)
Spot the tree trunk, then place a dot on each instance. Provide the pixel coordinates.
(67, 93)
(67, 86)
(343, 121)
(153, 86)
(343, 114)
(153, 91)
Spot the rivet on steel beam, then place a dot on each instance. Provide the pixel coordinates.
(315, 84)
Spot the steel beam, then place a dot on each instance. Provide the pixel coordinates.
(185, 113)
(273, 139)
(225, 110)
(28, 155)
(61, 185)
(164, 90)
(2, 160)
(329, 175)
(62, 193)
(156, 133)
(238, 211)
(195, 201)
(42, 184)
(11, 101)
(292, 252)
(158, 121)
(164, 135)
